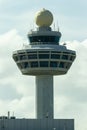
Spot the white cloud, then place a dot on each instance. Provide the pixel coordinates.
(73, 87)
(18, 91)
(14, 88)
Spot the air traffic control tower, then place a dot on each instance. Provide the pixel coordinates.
(43, 58)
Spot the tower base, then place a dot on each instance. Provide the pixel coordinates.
(37, 124)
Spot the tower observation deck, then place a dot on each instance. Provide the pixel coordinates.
(43, 58)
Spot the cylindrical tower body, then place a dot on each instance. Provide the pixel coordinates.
(44, 96)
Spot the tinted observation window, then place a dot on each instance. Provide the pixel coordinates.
(43, 63)
(32, 56)
(15, 58)
(22, 57)
(65, 57)
(43, 56)
(44, 39)
(55, 56)
(34, 64)
(61, 65)
(25, 65)
(53, 64)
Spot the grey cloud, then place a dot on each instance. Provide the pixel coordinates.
(77, 94)
(7, 92)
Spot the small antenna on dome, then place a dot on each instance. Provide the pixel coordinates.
(57, 26)
(43, 8)
(33, 25)
(54, 26)
(13, 113)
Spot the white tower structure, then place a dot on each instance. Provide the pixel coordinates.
(43, 58)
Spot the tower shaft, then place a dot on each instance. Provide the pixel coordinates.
(44, 96)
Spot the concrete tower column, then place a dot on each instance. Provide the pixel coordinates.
(44, 96)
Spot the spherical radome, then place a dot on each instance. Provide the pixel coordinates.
(44, 18)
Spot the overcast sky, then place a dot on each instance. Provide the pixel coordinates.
(17, 92)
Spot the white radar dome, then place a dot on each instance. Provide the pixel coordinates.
(44, 18)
